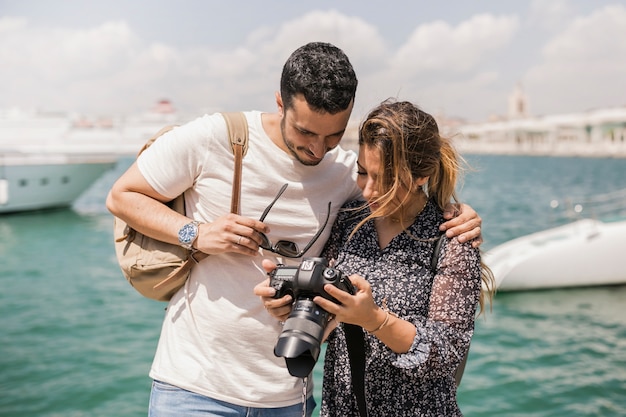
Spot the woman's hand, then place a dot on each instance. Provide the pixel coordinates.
(280, 308)
(359, 309)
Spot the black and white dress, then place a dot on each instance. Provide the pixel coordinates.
(442, 307)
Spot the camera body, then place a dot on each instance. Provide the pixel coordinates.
(301, 338)
(308, 279)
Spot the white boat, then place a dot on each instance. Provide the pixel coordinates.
(585, 252)
(43, 180)
(49, 159)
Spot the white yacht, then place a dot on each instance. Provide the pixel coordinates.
(43, 165)
(49, 159)
(34, 181)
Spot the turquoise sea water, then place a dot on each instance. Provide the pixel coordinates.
(76, 340)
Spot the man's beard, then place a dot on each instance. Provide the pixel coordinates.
(292, 147)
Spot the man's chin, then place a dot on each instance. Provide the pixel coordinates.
(310, 162)
(307, 160)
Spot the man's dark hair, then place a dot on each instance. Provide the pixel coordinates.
(322, 73)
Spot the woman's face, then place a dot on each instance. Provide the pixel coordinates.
(368, 165)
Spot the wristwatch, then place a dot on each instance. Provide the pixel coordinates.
(188, 234)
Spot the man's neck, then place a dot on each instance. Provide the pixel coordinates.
(271, 126)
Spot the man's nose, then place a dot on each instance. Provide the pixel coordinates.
(318, 147)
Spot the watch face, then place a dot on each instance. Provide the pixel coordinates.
(187, 233)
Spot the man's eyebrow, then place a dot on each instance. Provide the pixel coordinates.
(340, 132)
(304, 130)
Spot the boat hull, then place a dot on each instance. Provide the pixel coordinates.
(36, 185)
(584, 253)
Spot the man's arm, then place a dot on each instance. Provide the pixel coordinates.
(133, 200)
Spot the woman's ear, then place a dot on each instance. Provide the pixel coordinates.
(420, 182)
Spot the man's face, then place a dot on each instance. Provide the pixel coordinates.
(308, 134)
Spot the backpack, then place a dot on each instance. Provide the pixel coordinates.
(156, 269)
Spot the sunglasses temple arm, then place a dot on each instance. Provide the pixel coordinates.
(317, 235)
(268, 208)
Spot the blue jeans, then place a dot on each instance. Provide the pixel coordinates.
(169, 401)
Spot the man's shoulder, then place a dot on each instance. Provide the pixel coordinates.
(217, 120)
(210, 127)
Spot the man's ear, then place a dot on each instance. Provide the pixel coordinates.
(279, 104)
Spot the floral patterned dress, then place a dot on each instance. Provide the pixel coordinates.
(442, 307)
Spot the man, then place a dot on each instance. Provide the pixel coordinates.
(215, 353)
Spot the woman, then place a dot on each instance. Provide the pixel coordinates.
(417, 322)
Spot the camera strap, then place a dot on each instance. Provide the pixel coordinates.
(356, 354)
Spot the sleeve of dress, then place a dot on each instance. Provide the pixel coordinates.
(443, 338)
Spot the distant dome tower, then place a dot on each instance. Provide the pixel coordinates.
(518, 104)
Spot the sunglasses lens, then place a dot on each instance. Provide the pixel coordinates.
(286, 248)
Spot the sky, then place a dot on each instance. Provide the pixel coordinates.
(458, 58)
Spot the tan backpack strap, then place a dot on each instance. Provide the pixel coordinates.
(155, 137)
(238, 134)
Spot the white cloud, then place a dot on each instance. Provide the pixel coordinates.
(550, 14)
(10, 24)
(50, 62)
(583, 66)
(439, 66)
(358, 38)
(467, 69)
(438, 46)
(108, 68)
(248, 76)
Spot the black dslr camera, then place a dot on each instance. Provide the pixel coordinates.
(300, 341)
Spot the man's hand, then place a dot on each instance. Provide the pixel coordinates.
(280, 308)
(231, 233)
(465, 223)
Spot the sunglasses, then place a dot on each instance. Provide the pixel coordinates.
(287, 248)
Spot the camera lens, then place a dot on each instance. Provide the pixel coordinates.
(301, 338)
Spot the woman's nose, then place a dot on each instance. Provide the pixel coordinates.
(370, 189)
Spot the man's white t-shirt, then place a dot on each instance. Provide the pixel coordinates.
(217, 339)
